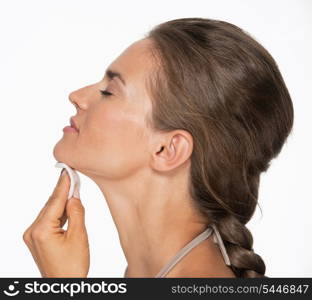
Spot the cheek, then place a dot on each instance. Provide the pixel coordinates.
(115, 142)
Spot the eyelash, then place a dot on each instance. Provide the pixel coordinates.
(106, 93)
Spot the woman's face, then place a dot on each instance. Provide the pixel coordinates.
(113, 139)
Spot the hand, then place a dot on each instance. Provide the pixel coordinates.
(60, 253)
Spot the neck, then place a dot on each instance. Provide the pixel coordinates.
(154, 217)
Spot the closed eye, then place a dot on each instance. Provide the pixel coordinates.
(106, 93)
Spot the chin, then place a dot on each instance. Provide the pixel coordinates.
(64, 153)
(59, 152)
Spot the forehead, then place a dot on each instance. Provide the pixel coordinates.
(135, 63)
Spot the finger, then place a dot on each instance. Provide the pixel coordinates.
(57, 201)
(39, 215)
(43, 210)
(63, 219)
(62, 187)
(76, 216)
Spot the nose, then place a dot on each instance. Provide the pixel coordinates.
(79, 99)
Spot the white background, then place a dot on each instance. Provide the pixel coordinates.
(50, 48)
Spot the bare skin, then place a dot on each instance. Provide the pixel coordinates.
(142, 174)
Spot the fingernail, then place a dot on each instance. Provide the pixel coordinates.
(63, 172)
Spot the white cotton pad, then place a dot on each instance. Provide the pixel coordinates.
(74, 190)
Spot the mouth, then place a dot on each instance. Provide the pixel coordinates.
(73, 124)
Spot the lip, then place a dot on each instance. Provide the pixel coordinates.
(70, 129)
(73, 124)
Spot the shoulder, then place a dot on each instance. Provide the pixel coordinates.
(205, 260)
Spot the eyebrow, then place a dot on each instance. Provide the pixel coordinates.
(111, 74)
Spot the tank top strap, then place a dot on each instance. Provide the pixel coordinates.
(188, 247)
(218, 240)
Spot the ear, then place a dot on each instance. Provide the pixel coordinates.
(172, 151)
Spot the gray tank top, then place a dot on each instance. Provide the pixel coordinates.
(212, 229)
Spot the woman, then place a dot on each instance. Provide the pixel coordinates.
(176, 136)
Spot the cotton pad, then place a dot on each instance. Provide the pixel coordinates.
(74, 180)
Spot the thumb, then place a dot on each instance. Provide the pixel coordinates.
(76, 216)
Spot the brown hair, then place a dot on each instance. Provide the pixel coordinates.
(215, 81)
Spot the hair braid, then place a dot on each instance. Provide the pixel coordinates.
(238, 241)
